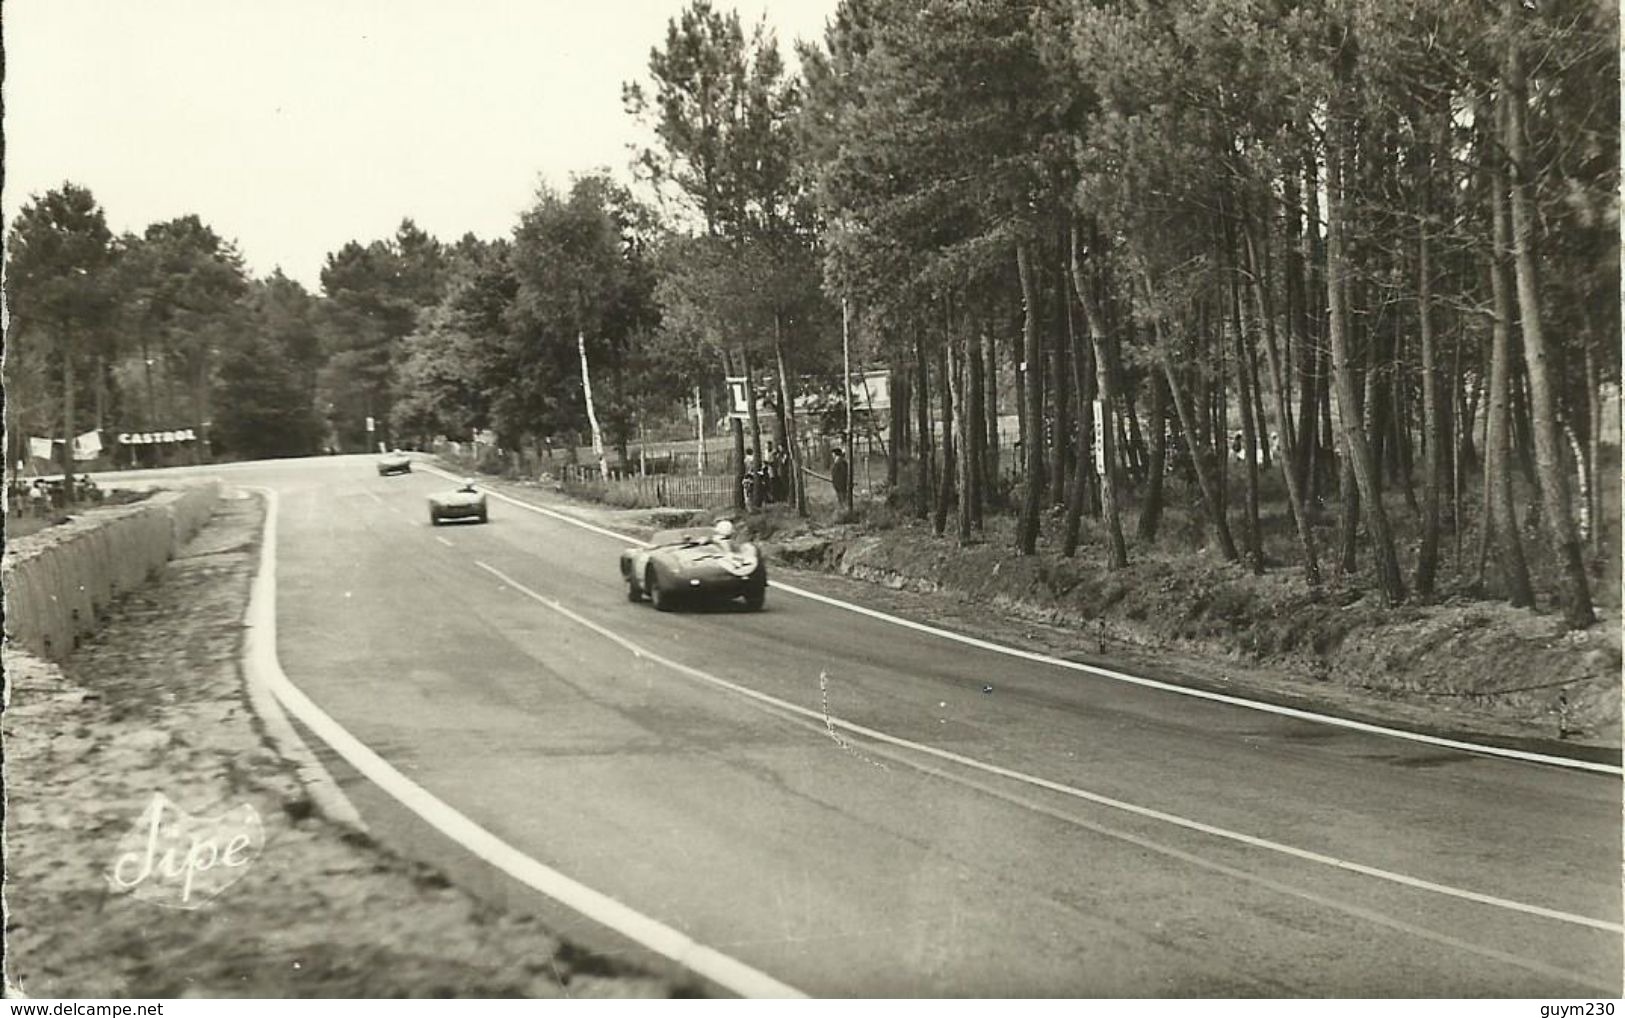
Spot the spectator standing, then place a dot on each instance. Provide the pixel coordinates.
(781, 473)
(840, 475)
(770, 473)
(753, 485)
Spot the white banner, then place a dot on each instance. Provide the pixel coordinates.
(87, 446)
(872, 391)
(40, 448)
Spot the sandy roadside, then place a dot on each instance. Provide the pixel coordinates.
(155, 704)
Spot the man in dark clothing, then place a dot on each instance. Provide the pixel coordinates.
(781, 474)
(840, 475)
(770, 473)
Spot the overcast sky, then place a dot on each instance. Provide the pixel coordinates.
(292, 126)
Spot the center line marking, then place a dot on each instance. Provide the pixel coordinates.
(1174, 819)
(443, 541)
(1110, 673)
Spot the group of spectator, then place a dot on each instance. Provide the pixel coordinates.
(767, 478)
(1238, 446)
(41, 495)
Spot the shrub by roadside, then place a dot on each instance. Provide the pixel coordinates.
(154, 704)
(1457, 665)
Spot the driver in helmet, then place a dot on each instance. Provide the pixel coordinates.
(468, 484)
(722, 535)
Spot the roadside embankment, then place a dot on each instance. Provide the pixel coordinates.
(60, 581)
(1460, 666)
(281, 900)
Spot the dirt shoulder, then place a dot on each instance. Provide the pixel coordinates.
(155, 704)
(1462, 668)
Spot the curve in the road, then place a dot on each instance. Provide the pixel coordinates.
(260, 653)
(1046, 784)
(1116, 675)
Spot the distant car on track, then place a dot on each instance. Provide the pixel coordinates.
(695, 564)
(394, 463)
(466, 503)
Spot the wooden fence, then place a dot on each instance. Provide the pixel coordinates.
(648, 491)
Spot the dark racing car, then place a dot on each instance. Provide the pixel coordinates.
(695, 564)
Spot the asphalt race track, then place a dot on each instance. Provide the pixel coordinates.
(1009, 828)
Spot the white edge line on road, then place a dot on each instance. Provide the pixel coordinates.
(1113, 674)
(329, 799)
(443, 541)
(260, 650)
(1054, 786)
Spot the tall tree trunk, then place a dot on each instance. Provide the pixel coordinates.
(1427, 560)
(1221, 411)
(1391, 583)
(1059, 392)
(1106, 386)
(754, 416)
(1260, 419)
(1472, 398)
(68, 386)
(1252, 539)
(100, 368)
(1374, 402)
(736, 430)
(1594, 441)
(781, 426)
(945, 488)
(1018, 370)
(1577, 609)
(990, 405)
(1288, 461)
(973, 478)
(1500, 512)
(895, 416)
(1300, 249)
(1400, 420)
(788, 419)
(965, 470)
(1077, 495)
(592, 413)
(1151, 508)
(1205, 481)
(1519, 431)
(1459, 426)
(1089, 427)
(1083, 447)
(1138, 454)
(926, 488)
(1032, 495)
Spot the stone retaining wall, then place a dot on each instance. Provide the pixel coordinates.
(60, 581)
